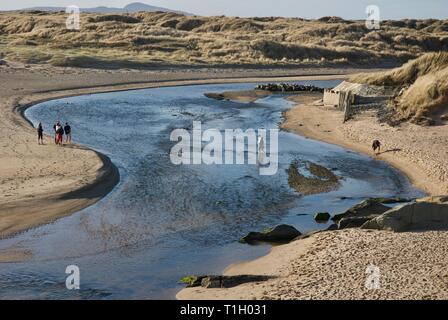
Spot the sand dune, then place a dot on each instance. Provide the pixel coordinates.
(151, 39)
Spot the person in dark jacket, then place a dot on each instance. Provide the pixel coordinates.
(40, 134)
(376, 145)
(68, 133)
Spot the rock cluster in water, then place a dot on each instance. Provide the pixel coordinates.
(288, 87)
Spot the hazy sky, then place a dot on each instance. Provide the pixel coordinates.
(349, 9)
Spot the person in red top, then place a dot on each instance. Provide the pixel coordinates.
(59, 134)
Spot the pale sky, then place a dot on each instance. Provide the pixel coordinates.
(349, 9)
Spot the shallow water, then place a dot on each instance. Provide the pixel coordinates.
(162, 221)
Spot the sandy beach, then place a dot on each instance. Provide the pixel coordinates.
(332, 265)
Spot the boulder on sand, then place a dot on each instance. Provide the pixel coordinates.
(424, 214)
(279, 234)
(367, 210)
(373, 206)
(3, 62)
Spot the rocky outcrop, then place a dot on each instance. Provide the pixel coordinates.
(287, 87)
(424, 214)
(279, 234)
(367, 210)
(210, 282)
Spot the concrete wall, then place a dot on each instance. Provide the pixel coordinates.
(331, 98)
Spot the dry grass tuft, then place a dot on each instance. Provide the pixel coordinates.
(424, 83)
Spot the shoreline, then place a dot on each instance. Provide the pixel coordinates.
(412, 173)
(26, 212)
(326, 125)
(322, 124)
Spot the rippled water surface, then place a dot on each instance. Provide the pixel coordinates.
(163, 221)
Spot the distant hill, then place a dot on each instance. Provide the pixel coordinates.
(130, 8)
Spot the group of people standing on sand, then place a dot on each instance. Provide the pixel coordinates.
(59, 132)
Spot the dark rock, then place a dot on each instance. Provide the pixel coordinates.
(210, 282)
(353, 222)
(3, 62)
(424, 214)
(332, 227)
(322, 216)
(365, 211)
(373, 206)
(288, 87)
(279, 234)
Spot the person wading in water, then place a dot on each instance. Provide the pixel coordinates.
(376, 145)
(40, 134)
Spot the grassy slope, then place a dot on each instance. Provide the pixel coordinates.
(425, 80)
(167, 38)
